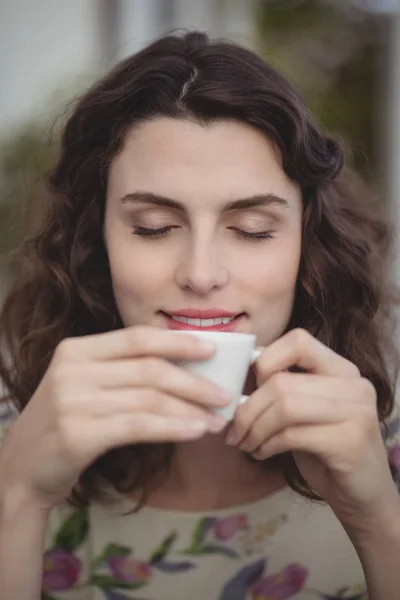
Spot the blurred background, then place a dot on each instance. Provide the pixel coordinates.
(343, 54)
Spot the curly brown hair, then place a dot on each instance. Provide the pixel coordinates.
(62, 284)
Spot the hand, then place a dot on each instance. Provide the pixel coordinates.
(103, 391)
(327, 417)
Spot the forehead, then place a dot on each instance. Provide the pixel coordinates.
(187, 161)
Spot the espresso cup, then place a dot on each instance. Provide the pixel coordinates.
(228, 366)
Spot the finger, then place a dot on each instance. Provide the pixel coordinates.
(135, 341)
(281, 388)
(355, 390)
(325, 441)
(121, 429)
(156, 373)
(124, 401)
(293, 411)
(299, 348)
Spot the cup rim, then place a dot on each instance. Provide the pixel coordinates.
(233, 335)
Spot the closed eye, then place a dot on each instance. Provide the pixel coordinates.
(149, 232)
(257, 236)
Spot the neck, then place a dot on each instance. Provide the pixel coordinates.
(209, 474)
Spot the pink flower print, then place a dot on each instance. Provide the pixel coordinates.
(128, 570)
(225, 529)
(60, 570)
(394, 457)
(282, 585)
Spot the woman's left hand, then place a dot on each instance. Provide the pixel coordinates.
(327, 417)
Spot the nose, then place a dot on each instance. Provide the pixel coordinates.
(201, 269)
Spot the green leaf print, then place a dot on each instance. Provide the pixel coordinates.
(73, 531)
(203, 527)
(106, 581)
(45, 596)
(111, 550)
(163, 549)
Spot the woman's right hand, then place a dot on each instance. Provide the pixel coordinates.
(100, 392)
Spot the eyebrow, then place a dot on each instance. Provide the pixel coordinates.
(241, 203)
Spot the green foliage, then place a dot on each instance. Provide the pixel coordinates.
(24, 158)
(330, 51)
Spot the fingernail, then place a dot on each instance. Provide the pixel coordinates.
(196, 426)
(231, 438)
(206, 345)
(217, 423)
(223, 394)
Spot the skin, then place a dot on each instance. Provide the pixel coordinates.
(203, 263)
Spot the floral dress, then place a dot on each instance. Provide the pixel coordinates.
(278, 548)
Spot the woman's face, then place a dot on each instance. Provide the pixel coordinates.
(202, 220)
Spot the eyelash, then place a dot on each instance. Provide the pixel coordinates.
(163, 231)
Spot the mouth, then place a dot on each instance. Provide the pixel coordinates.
(208, 321)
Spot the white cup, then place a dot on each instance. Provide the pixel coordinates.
(228, 366)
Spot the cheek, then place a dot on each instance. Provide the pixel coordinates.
(139, 277)
(135, 275)
(273, 273)
(271, 287)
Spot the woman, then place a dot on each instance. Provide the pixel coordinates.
(193, 184)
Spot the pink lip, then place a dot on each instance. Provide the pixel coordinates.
(177, 326)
